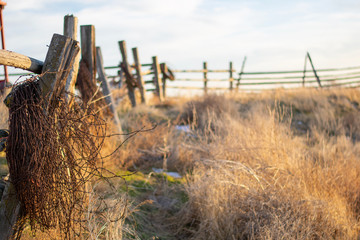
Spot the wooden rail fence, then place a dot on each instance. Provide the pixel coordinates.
(152, 76)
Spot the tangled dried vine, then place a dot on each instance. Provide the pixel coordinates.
(51, 156)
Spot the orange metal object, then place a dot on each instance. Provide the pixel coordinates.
(6, 80)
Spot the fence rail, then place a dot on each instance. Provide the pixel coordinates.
(339, 77)
(208, 79)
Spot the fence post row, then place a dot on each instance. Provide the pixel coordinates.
(140, 80)
(205, 76)
(70, 30)
(125, 66)
(106, 88)
(157, 79)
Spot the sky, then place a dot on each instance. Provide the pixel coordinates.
(273, 34)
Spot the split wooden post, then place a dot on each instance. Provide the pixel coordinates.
(157, 78)
(312, 65)
(205, 72)
(128, 75)
(231, 79)
(70, 30)
(139, 78)
(60, 57)
(106, 88)
(57, 65)
(164, 69)
(88, 51)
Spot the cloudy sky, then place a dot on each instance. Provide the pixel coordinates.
(273, 34)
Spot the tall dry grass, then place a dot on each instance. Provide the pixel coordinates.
(259, 177)
(275, 165)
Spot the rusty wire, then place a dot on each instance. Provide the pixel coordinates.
(51, 157)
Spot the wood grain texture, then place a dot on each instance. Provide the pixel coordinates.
(18, 60)
(58, 63)
(88, 51)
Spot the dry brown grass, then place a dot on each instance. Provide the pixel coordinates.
(275, 165)
(260, 180)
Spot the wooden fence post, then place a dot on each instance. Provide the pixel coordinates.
(205, 77)
(88, 51)
(139, 77)
(231, 79)
(57, 65)
(304, 73)
(126, 68)
(241, 73)
(70, 30)
(106, 89)
(157, 79)
(317, 77)
(164, 69)
(59, 58)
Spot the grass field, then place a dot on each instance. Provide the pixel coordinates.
(275, 165)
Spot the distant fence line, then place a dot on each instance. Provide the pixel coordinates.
(248, 81)
(260, 80)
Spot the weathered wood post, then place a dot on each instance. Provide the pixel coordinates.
(139, 78)
(304, 72)
(205, 72)
(8, 58)
(60, 57)
(70, 30)
(241, 73)
(57, 66)
(231, 79)
(88, 51)
(106, 88)
(164, 69)
(312, 65)
(127, 71)
(157, 78)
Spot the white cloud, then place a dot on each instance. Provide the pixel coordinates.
(187, 32)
